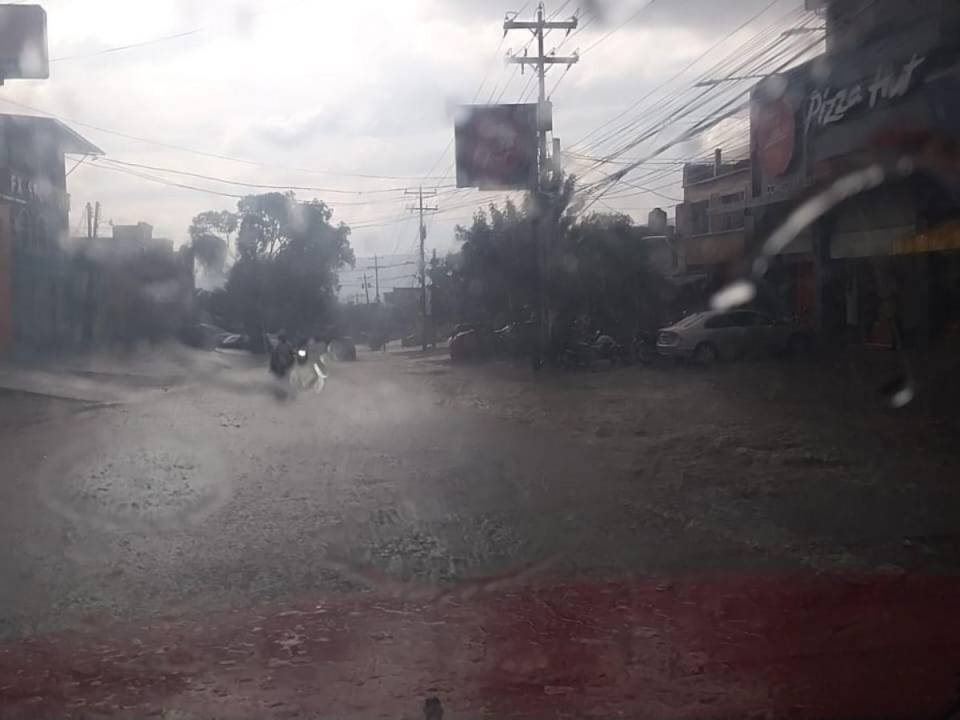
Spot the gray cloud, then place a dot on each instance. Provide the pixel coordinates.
(226, 93)
(691, 14)
(295, 130)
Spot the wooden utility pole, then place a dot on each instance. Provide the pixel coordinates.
(421, 209)
(544, 224)
(366, 287)
(376, 276)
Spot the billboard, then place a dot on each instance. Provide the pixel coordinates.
(496, 146)
(23, 43)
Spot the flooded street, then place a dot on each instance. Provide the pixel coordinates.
(427, 518)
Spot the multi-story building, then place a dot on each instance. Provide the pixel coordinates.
(710, 220)
(34, 212)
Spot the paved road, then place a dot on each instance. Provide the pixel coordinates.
(206, 547)
(214, 494)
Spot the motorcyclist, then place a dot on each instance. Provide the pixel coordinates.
(282, 356)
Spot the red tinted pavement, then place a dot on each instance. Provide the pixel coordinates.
(816, 646)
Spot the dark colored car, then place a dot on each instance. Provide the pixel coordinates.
(470, 341)
(343, 349)
(234, 341)
(202, 335)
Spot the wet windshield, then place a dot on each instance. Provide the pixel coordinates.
(354, 363)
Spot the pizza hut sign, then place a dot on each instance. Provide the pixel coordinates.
(828, 105)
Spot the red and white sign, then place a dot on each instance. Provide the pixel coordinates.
(775, 133)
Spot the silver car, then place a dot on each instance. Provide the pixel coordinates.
(709, 336)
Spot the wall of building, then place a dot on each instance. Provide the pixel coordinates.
(855, 24)
(711, 220)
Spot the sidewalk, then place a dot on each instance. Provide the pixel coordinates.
(106, 377)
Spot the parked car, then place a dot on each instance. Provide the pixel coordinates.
(202, 335)
(234, 341)
(465, 346)
(470, 342)
(343, 349)
(720, 334)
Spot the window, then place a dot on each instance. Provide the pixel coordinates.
(725, 222)
(699, 218)
(743, 318)
(719, 322)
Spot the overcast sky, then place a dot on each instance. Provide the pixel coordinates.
(332, 94)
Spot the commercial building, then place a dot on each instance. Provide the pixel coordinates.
(885, 99)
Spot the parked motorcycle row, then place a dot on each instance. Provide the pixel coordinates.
(472, 342)
(604, 349)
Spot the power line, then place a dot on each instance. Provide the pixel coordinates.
(720, 114)
(131, 46)
(192, 151)
(164, 181)
(242, 183)
(630, 19)
(687, 108)
(674, 76)
(680, 107)
(161, 39)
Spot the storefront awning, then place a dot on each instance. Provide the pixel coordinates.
(939, 239)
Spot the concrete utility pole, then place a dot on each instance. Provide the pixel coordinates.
(423, 264)
(376, 276)
(543, 221)
(366, 287)
(541, 61)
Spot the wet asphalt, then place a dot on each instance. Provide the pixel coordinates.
(213, 493)
(650, 542)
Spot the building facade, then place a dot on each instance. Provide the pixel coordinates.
(35, 307)
(710, 225)
(870, 130)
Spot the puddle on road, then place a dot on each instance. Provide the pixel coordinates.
(122, 484)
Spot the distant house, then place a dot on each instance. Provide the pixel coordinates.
(139, 288)
(34, 219)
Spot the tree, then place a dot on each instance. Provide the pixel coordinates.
(498, 268)
(599, 267)
(288, 255)
(210, 234)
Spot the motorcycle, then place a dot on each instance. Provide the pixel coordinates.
(644, 348)
(306, 373)
(297, 368)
